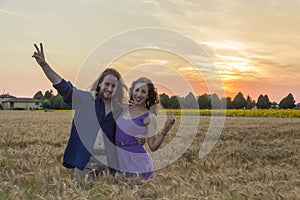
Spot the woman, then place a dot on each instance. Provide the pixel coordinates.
(139, 118)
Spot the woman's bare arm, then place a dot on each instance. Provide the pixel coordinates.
(154, 141)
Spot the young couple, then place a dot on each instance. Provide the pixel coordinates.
(106, 134)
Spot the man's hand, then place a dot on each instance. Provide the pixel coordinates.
(39, 55)
(140, 139)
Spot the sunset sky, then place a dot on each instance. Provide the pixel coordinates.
(254, 45)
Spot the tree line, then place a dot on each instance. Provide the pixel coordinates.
(51, 101)
(190, 101)
(212, 101)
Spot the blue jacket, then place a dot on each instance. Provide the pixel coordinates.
(89, 117)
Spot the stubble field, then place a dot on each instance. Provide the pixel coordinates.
(254, 158)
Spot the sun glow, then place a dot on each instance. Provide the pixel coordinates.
(229, 45)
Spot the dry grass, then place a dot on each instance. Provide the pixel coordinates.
(255, 158)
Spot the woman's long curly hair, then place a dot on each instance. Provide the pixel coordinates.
(152, 101)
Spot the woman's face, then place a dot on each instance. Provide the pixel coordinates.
(140, 93)
(108, 86)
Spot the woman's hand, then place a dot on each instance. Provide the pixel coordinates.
(169, 123)
(39, 55)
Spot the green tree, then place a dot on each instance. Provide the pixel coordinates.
(215, 101)
(56, 102)
(182, 103)
(263, 102)
(39, 95)
(250, 103)
(164, 100)
(204, 101)
(46, 104)
(66, 106)
(274, 105)
(174, 102)
(227, 103)
(239, 102)
(48, 94)
(190, 101)
(288, 102)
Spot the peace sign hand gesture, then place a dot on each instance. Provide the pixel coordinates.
(169, 123)
(49, 72)
(39, 55)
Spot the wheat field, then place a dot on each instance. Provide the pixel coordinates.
(254, 158)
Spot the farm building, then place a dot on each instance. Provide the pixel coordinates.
(21, 103)
(5, 97)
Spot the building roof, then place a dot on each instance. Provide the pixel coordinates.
(6, 96)
(23, 100)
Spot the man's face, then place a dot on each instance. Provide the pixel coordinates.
(108, 86)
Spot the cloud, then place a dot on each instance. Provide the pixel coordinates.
(7, 12)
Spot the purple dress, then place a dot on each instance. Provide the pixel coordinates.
(133, 158)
